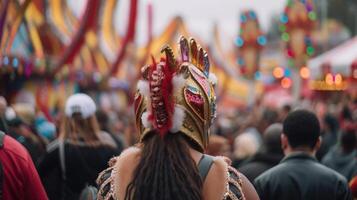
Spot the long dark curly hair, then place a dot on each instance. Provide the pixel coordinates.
(165, 171)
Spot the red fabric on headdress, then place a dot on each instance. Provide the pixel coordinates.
(166, 89)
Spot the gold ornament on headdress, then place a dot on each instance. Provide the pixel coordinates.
(177, 96)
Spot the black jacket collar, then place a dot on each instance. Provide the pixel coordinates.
(298, 155)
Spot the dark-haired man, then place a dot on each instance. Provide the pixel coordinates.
(342, 157)
(299, 175)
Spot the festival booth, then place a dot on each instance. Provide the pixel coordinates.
(335, 70)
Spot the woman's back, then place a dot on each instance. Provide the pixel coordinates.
(218, 184)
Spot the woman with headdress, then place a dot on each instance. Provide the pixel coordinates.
(174, 107)
(79, 154)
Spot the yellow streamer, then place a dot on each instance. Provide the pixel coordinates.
(107, 25)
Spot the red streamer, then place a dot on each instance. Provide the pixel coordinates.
(89, 20)
(129, 37)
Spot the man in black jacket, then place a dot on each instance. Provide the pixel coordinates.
(299, 175)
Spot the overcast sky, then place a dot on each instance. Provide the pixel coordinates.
(199, 15)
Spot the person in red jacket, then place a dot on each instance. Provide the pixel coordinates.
(20, 179)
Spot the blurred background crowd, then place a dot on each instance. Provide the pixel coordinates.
(249, 136)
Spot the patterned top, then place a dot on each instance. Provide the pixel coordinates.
(106, 185)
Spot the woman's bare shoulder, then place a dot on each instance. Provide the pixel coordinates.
(120, 168)
(225, 182)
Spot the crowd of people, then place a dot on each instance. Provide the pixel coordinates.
(174, 143)
(70, 153)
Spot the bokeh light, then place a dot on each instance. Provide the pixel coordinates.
(282, 28)
(329, 79)
(262, 40)
(243, 18)
(6, 60)
(310, 50)
(15, 62)
(287, 72)
(239, 41)
(278, 72)
(305, 72)
(252, 15)
(284, 18)
(338, 79)
(312, 15)
(257, 75)
(286, 83)
(285, 37)
(240, 61)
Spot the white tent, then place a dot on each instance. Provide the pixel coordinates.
(339, 59)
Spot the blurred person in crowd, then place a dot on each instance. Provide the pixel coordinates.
(128, 132)
(122, 129)
(26, 112)
(45, 129)
(225, 127)
(251, 124)
(329, 135)
(346, 118)
(103, 121)
(245, 146)
(79, 154)
(218, 146)
(268, 117)
(22, 133)
(259, 122)
(18, 176)
(3, 106)
(284, 111)
(173, 125)
(269, 155)
(299, 175)
(343, 157)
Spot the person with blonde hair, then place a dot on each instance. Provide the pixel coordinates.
(80, 152)
(245, 145)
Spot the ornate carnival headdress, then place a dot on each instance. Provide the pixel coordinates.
(177, 95)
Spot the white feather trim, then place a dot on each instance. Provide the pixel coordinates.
(143, 87)
(177, 119)
(145, 120)
(178, 82)
(212, 78)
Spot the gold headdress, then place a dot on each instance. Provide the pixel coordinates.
(177, 95)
